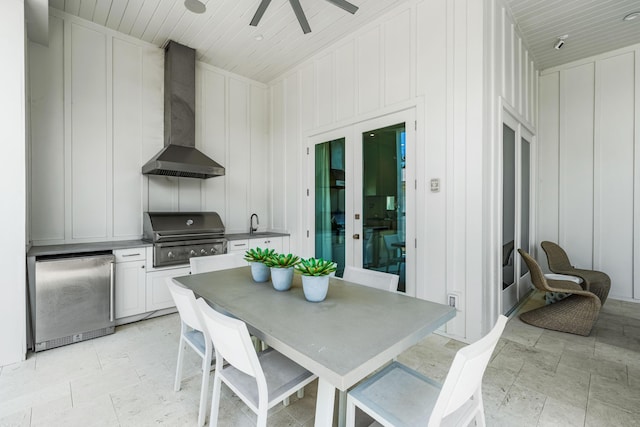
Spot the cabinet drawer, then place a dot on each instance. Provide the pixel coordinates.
(238, 245)
(132, 254)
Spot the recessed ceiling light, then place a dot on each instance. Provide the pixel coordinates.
(195, 6)
(259, 37)
(631, 16)
(372, 134)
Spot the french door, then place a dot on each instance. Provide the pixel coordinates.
(362, 195)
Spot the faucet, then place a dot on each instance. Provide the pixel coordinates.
(251, 227)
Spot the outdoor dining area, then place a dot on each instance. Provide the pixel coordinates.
(269, 344)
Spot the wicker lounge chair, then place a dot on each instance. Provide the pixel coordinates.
(593, 281)
(575, 314)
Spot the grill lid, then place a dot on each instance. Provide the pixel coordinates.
(163, 226)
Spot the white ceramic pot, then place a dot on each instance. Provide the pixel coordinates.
(281, 278)
(315, 287)
(259, 271)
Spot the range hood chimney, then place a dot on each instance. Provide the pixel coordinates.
(179, 157)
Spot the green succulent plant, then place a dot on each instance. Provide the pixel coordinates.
(282, 261)
(315, 267)
(258, 255)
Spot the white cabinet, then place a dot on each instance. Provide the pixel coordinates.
(130, 282)
(238, 246)
(158, 296)
(270, 242)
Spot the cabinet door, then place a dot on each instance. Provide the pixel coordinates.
(158, 296)
(130, 288)
(274, 243)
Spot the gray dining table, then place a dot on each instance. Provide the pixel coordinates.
(343, 339)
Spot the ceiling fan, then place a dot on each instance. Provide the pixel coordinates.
(297, 9)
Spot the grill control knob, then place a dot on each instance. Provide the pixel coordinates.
(171, 255)
(192, 253)
(203, 251)
(214, 250)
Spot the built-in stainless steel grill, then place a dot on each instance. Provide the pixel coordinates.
(178, 236)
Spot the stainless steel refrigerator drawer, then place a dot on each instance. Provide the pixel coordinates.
(74, 297)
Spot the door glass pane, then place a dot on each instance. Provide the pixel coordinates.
(330, 194)
(524, 205)
(508, 204)
(384, 202)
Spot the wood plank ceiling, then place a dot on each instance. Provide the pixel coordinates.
(222, 36)
(593, 26)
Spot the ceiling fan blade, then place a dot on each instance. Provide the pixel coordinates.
(258, 16)
(302, 19)
(345, 5)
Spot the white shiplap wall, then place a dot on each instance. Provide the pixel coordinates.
(97, 117)
(429, 55)
(588, 199)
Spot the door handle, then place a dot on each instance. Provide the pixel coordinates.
(356, 236)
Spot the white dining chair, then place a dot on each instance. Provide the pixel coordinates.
(371, 278)
(203, 264)
(261, 380)
(399, 396)
(192, 333)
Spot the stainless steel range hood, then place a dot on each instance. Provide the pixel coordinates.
(179, 157)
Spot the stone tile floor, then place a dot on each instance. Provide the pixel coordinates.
(535, 378)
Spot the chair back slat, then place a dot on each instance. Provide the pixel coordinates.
(185, 301)
(371, 278)
(231, 339)
(204, 264)
(464, 379)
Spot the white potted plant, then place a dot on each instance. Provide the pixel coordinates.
(315, 277)
(282, 270)
(256, 259)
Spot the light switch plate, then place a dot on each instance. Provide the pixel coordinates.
(435, 185)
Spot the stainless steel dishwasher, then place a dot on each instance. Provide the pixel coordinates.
(74, 297)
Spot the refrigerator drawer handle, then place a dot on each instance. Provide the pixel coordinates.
(111, 292)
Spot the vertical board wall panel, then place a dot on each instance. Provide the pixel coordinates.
(345, 81)
(325, 90)
(368, 66)
(46, 71)
(278, 161)
(432, 48)
(293, 175)
(576, 163)
(127, 137)
(548, 160)
(614, 171)
(397, 58)
(189, 195)
(212, 118)
(259, 182)
(308, 98)
(237, 170)
(507, 58)
(517, 74)
(89, 147)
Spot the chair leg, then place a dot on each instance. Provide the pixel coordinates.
(206, 369)
(286, 401)
(351, 413)
(215, 400)
(181, 347)
(301, 393)
(262, 416)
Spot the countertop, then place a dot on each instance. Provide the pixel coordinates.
(125, 244)
(257, 235)
(85, 247)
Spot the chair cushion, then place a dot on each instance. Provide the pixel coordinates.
(399, 394)
(283, 377)
(196, 338)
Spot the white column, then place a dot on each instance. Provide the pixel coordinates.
(12, 183)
